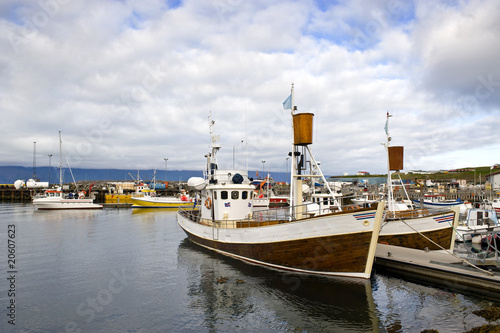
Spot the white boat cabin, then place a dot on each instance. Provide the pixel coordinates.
(227, 196)
(481, 217)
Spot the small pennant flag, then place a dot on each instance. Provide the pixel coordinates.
(387, 123)
(287, 104)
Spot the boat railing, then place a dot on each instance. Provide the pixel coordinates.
(256, 219)
(414, 213)
(488, 251)
(271, 216)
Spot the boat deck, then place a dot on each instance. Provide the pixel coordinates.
(437, 268)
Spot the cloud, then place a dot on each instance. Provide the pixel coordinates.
(459, 48)
(130, 83)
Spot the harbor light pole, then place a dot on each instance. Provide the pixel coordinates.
(34, 160)
(50, 156)
(263, 169)
(166, 160)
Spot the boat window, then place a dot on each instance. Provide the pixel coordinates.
(244, 195)
(235, 195)
(215, 195)
(223, 195)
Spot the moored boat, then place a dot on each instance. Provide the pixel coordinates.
(150, 200)
(407, 226)
(286, 238)
(264, 196)
(433, 201)
(493, 204)
(56, 199)
(475, 223)
(146, 196)
(366, 199)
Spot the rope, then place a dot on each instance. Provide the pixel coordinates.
(447, 251)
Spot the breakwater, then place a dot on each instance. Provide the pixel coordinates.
(10, 194)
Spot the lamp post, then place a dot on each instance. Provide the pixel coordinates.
(166, 160)
(263, 170)
(50, 156)
(34, 160)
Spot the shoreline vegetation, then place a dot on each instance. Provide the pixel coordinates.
(472, 175)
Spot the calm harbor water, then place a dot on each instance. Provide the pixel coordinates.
(122, 270)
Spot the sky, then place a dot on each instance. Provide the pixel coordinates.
(131, 83)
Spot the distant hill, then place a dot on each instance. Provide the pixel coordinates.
(9, 174)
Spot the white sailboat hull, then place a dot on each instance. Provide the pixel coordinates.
(56, 203)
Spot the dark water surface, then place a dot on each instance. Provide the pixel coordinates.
(121, 270)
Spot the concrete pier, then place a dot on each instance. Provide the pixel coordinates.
(436, 268)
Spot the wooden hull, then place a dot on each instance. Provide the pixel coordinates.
(336, 244)
(415, 232)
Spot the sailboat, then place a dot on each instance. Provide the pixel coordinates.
(409, 227)
(56, 199)
(290, 238)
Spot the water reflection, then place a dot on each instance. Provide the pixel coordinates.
(409, 307)
(67, 257)
(224, 288)
(139, 211)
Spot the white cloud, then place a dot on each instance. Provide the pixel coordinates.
(130, 83)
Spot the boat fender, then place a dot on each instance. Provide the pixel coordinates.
(208, 203)
(237, 178)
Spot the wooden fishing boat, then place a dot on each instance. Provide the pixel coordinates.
(286, 238)
(409, 227)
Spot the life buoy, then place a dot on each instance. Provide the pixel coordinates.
(81, 196)
(208, 203)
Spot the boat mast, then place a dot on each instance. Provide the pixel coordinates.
(302, 138)
(293, 162)
(214, 148)
(390, 199)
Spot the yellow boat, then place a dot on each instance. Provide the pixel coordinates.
(150, 200)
